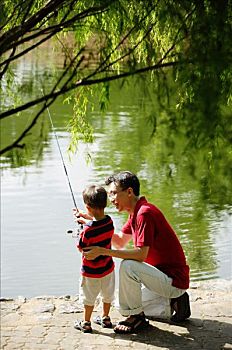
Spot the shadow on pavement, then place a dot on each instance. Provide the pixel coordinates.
(192, 334)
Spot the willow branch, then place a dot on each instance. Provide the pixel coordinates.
(89, 82)
(10, 38)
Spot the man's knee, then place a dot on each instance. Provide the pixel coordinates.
(126, 266)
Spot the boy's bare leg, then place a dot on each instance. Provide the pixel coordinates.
(106, 309)
(104, 320)
(85, 325)
(88, 309)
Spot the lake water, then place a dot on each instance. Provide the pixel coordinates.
(37, 255)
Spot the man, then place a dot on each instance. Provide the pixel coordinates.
(157, 260)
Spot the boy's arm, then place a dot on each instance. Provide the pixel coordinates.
(81, 217)
(80, 244)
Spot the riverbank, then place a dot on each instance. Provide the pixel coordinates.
(47, 323)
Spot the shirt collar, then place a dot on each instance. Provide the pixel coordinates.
(142, 200)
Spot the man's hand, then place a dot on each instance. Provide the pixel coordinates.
(92, 253)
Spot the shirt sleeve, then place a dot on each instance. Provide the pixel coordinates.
(82, 244)
(145, 230)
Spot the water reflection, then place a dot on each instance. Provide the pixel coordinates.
(37, 255)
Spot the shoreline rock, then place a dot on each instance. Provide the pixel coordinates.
(223, 285)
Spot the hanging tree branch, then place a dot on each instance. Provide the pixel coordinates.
(126, 31)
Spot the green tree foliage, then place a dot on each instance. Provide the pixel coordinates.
(186, 45)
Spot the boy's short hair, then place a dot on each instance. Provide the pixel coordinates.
(95, 196)
(125, 179)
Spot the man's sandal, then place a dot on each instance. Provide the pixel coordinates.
(83, 326)
(104, 321)
(181, 307)
(138, 323)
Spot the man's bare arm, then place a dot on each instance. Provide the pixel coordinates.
(120, 240)
(138, 254)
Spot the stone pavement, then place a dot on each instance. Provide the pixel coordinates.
(47, 323)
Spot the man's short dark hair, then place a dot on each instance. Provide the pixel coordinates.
(95, 196)
(125, 179)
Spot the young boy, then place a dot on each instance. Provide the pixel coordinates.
(98, 274)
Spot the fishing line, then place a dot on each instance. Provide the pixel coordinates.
(64, 166)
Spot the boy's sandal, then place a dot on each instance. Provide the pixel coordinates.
(83, 326)
(104, 321)
(139, 323)
(181, 307)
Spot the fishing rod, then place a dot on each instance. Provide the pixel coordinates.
(80, 226)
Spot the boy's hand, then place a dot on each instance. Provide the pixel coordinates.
(82, 218)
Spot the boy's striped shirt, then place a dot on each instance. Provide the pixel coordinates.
(97, 233)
